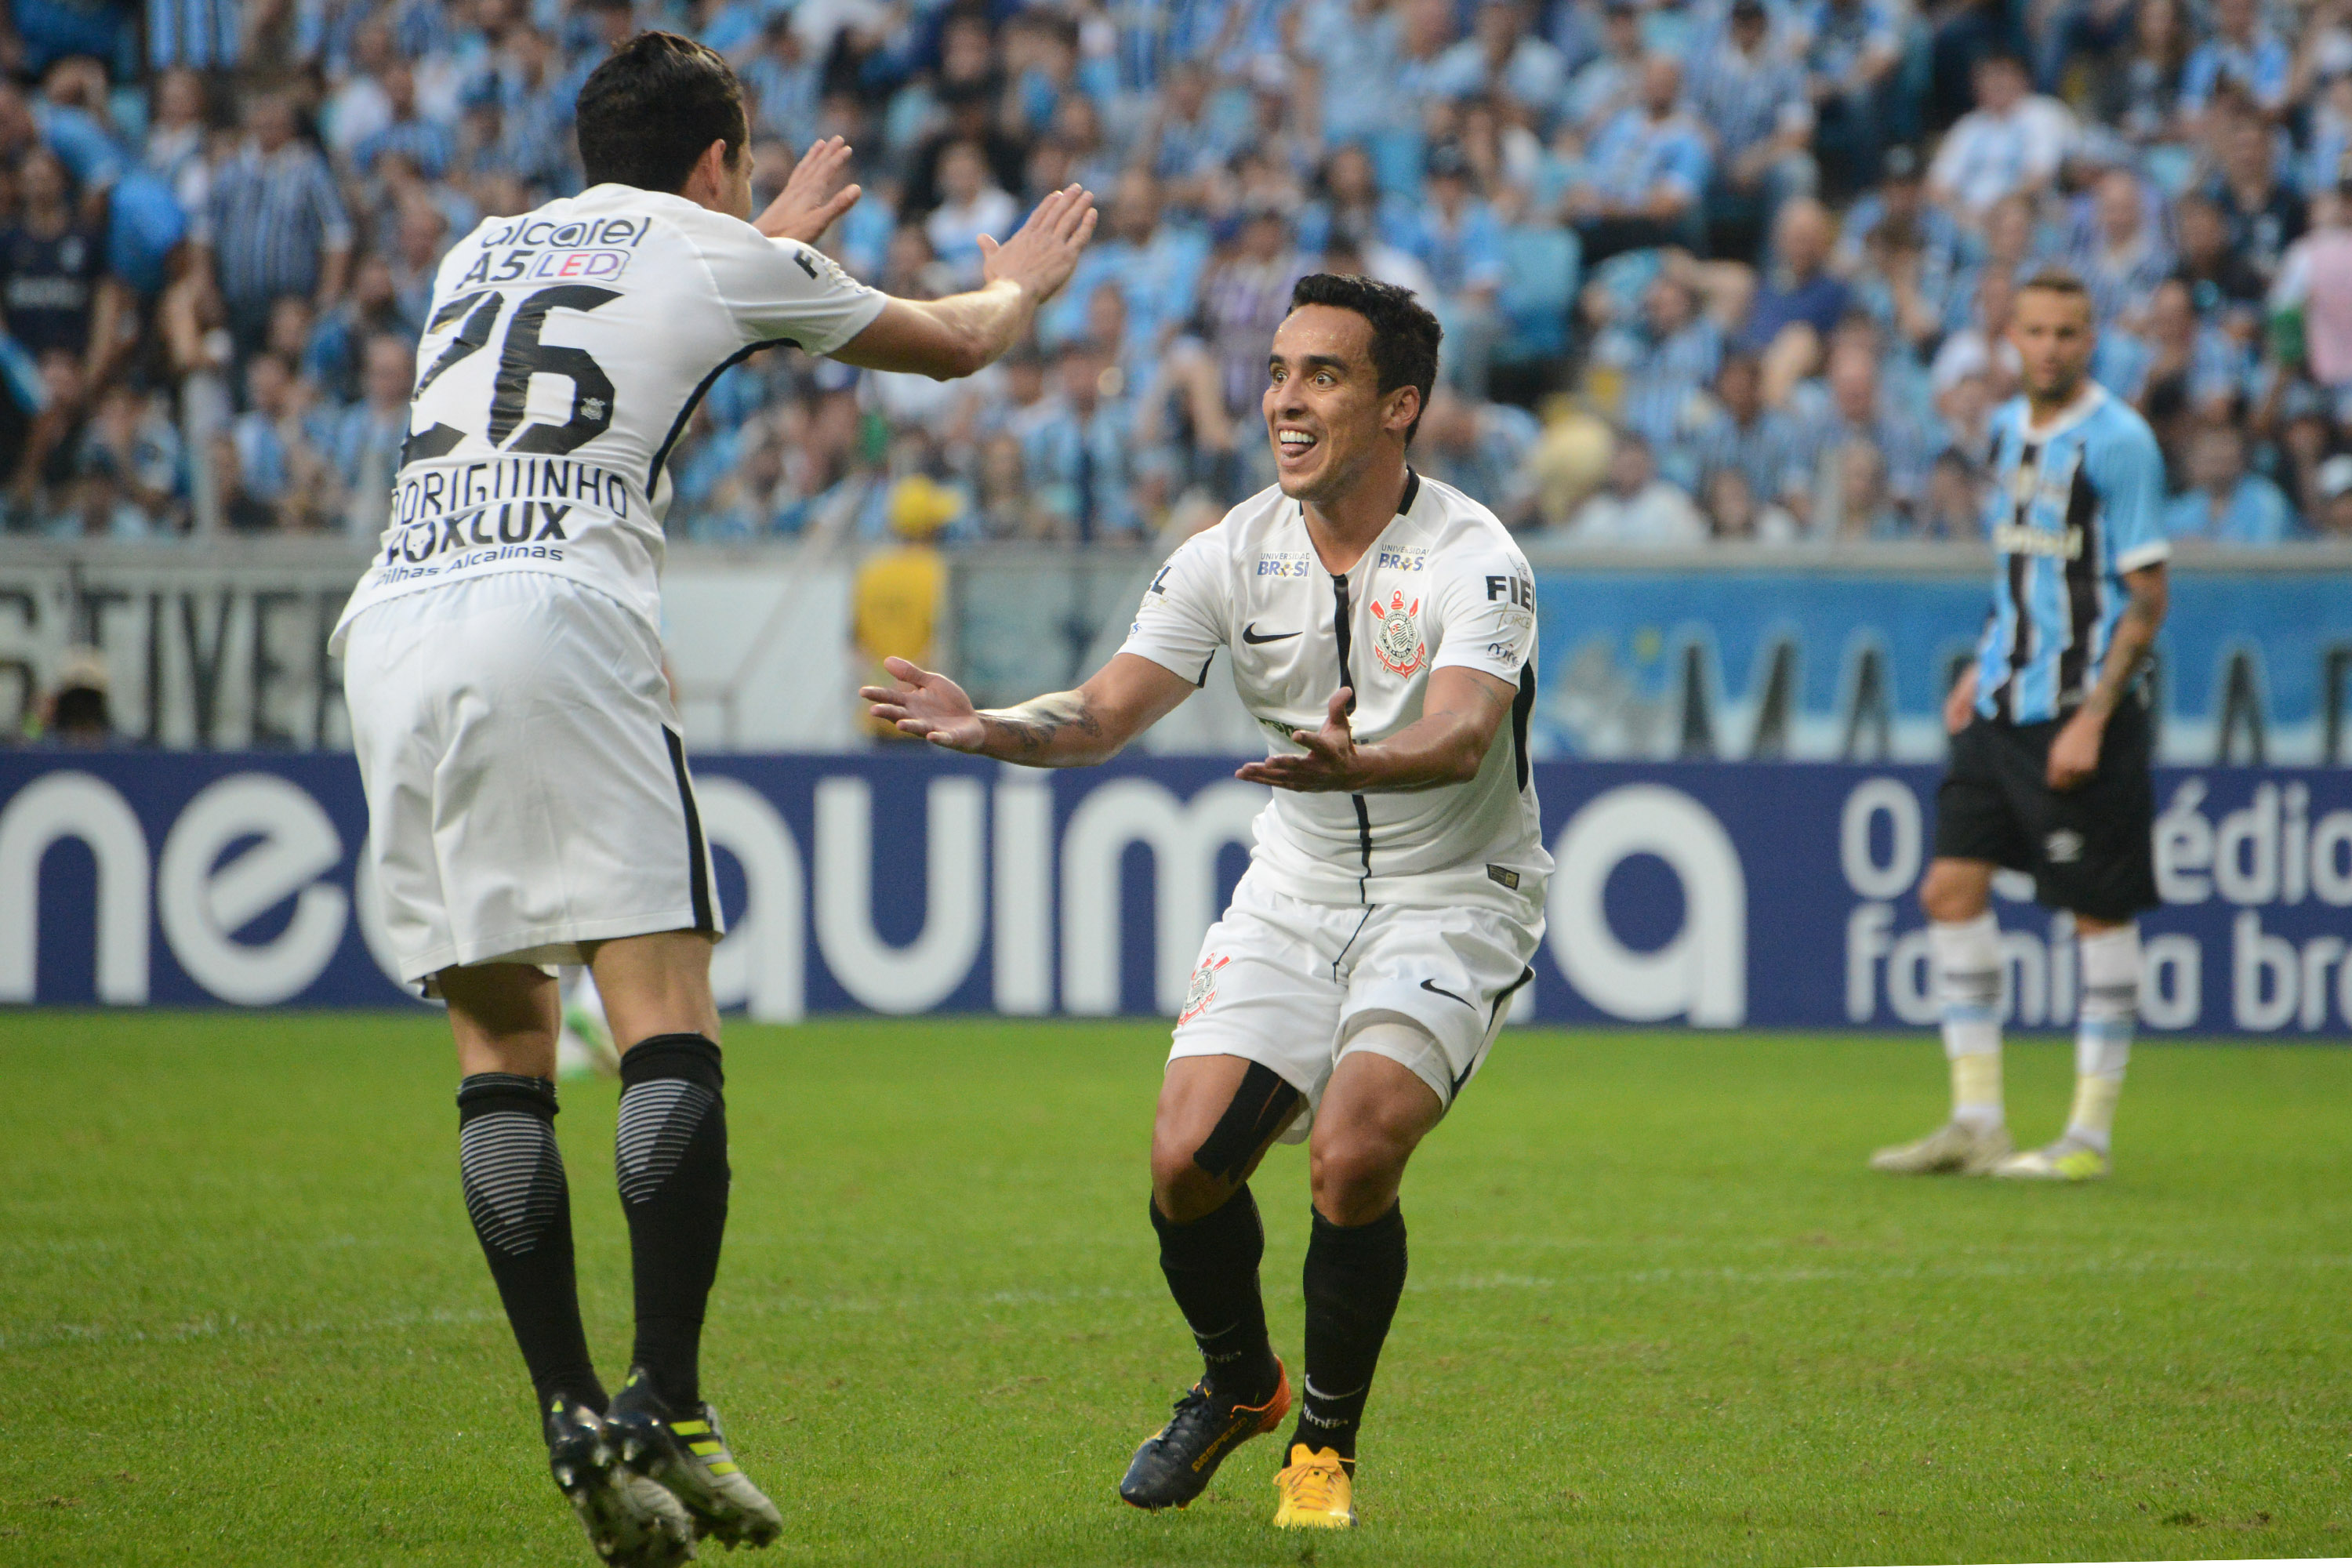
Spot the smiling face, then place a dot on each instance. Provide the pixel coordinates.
(1324, 413)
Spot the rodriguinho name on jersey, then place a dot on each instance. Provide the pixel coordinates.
(508, 501)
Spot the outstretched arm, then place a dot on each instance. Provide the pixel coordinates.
(944, 339)
(1063, 729)
(1460, 712)
(2075, 752)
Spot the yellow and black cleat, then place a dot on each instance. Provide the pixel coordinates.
(689, 1455)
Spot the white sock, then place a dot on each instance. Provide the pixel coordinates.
(2103, 1031)
(1967, 955)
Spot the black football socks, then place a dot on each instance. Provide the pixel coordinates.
(521, 1209)
(1354, 1275)
(669, 1155)
(1211, 1269)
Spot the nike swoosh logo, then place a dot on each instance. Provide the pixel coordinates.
(1442, 991)
(1249, 634)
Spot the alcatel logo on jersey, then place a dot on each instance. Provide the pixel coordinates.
(1403, 560)
(2023, 539)
(571, 236)
(1397, 643)
(1282, 565)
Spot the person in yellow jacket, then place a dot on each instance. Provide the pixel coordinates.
(901, 593)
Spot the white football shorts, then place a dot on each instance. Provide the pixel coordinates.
(1291, 985)
(526, 780)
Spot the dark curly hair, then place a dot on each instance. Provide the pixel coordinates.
(649, 109)
(1404, 334)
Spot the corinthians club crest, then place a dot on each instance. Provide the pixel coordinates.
(1397, 643)
(1203, 989)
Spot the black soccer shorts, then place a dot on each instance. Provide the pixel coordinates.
(2089, 849)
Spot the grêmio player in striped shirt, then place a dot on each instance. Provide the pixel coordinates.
(2049, 771)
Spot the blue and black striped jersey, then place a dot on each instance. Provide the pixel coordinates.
(2075, 505)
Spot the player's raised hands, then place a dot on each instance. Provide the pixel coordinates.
(1041, 255)
(1329, 762)
(928, 705)
(809, 204)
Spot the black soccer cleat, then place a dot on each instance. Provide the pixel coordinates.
(632, 1522)
(1174, 1465)
(687, 1455)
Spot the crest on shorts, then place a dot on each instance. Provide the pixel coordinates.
(1203, 989)
(1397, 643)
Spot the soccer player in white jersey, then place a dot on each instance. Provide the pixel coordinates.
(2049, 771)
(528, 796)
(1381, 628)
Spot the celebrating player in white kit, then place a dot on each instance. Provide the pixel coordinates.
(528, 796)
(1383, 630)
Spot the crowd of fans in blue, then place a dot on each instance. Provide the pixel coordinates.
(1709, 269)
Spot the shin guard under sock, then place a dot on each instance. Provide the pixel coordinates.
(1354, 1276)
(1211, 1269)
(521, 1210)
(669, 1157)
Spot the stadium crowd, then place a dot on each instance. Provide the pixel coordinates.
(1708, 268)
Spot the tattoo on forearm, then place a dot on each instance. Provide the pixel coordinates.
(1036, 724)
(2135, 635)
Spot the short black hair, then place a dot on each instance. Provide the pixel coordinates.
(649, 110)
(1404, 334)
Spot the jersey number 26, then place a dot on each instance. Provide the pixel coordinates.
(520, 356)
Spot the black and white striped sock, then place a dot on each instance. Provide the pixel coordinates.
(521, 1209)
(670, 1159)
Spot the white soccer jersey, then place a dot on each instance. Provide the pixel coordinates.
(1443, 585)
(563, 354)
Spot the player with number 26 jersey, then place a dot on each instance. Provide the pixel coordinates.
(563, 354)
(528, 801)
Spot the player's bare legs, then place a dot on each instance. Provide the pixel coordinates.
(1375, 1113)
(656, 985)
(1217, 1117)
(504, 1016)
(1198, 1095)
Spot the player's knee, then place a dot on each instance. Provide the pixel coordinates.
(1952, 891)
(1183, 1190)
(1355, 1173)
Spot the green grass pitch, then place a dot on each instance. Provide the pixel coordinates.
(1659, 1311)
